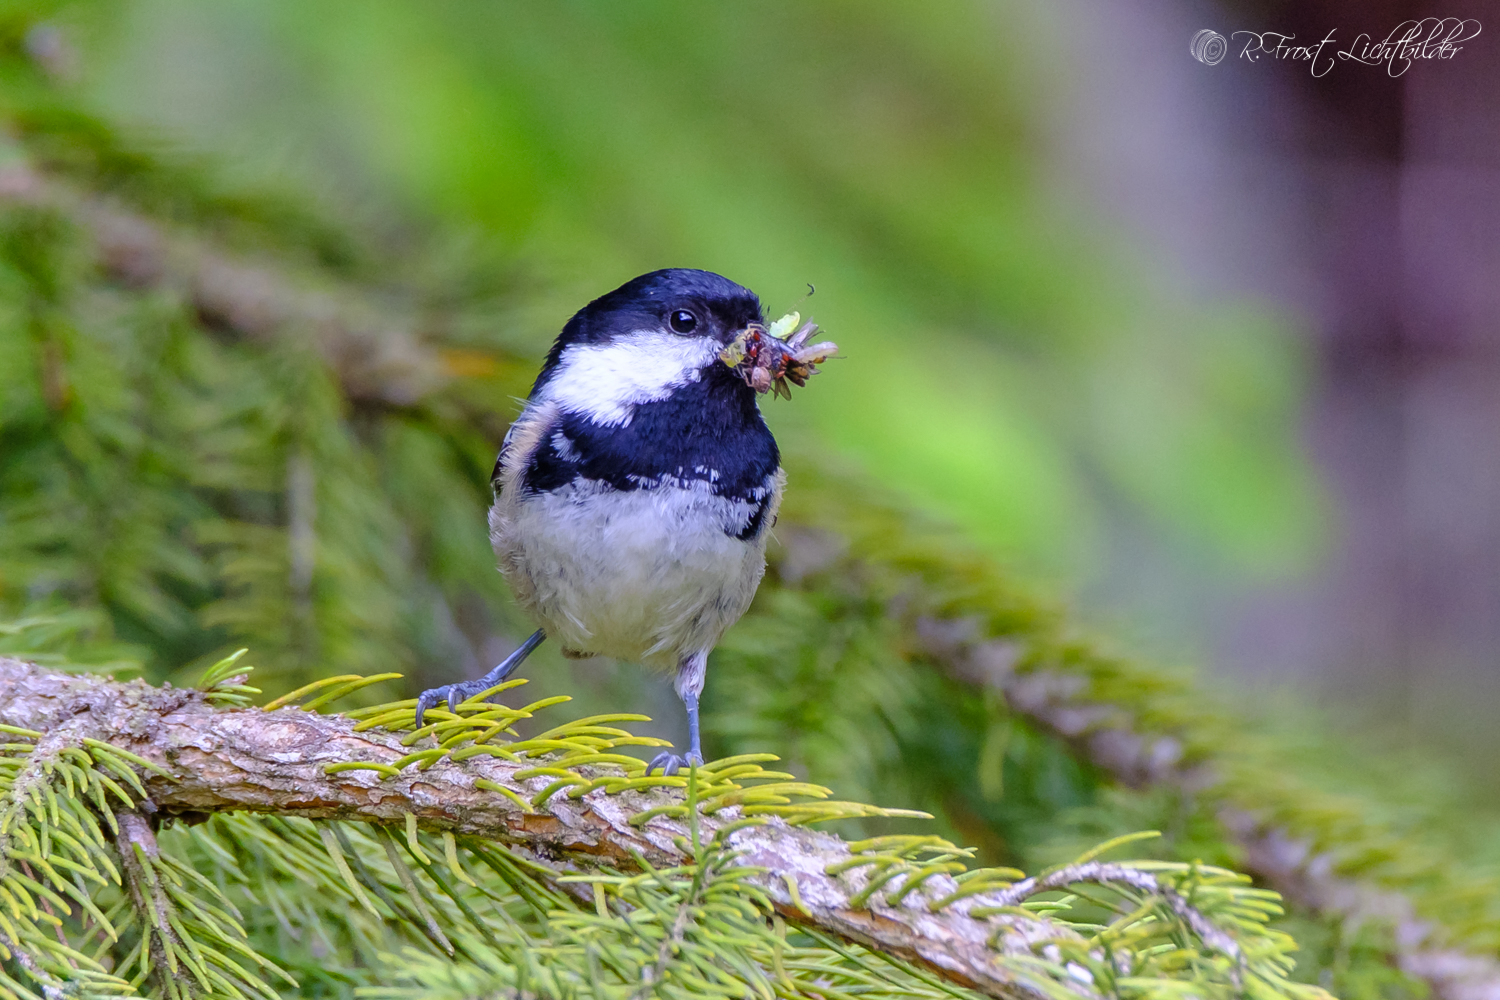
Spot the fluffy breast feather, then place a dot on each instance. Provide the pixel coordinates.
(652, 573)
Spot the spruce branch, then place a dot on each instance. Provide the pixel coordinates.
(196, 758)
(376, 356)
(1113, 739)
(138, 849)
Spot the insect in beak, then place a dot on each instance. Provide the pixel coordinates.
(768, 358)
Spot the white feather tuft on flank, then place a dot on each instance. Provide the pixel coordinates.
(605, 382)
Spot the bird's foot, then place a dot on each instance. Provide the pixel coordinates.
(453, 694)
(671, 763)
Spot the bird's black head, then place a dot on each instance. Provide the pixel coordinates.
(671, 312)
(648, 339)
(682, 300)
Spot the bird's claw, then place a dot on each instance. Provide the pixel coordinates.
(457, 694)
(453, 694)
(671, 763)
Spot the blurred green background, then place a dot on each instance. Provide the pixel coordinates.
(1009, 364)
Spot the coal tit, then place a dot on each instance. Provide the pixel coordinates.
(635, 493)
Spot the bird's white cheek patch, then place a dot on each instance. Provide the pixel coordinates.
(605, 382)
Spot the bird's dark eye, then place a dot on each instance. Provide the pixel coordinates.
(683, 321)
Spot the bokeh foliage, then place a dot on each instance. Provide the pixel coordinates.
(1035, 375)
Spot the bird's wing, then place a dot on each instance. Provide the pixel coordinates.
(530, 429)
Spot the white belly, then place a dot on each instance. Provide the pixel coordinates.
(647, 575)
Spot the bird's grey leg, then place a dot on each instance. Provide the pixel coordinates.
(689, 685)
(695, 751)
(455, 693)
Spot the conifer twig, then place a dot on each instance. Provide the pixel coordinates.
(232, 759)
(378, 358)
(1112, 740)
